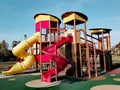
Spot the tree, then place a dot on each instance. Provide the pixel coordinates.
(25, 36)
(3, 49)
(14, 43)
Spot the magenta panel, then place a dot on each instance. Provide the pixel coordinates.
(42, 24)
(37, 27)
(45, 24)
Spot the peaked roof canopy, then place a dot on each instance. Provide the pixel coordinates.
(69, 17)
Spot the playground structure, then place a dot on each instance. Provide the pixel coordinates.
(81, 50)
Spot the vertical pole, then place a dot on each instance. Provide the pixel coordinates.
(58, 32)
(109, 41)
(99, 43)
(65, 26)
(54, 35)
(40, 48)
(57, 38)
(87, 51)
(107, 44)
(36, 54)
(50, 42)
(75, 50)
(85, 32)
(95, 65)
(80, 60)
(88, 59)
(103, 51)
(49, 33)
(94, 56)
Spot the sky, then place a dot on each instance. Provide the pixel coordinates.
(17, 16)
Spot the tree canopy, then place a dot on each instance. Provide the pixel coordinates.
(5, 53)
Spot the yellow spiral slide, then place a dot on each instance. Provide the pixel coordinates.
(20, 52)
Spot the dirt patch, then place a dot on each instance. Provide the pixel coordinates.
(116, 79)
(106, 87)
(113, 75)
(99, 78)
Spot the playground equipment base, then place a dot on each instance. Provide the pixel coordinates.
(39, 84)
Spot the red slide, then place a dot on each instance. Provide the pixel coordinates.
(50, 52)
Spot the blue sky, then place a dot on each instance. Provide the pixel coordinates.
(16, 16)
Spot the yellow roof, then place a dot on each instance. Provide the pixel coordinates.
(98, 31)
(45, 17)
(69, 17)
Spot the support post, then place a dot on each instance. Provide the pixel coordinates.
(40, 50)
(103, 48)
(75, 54)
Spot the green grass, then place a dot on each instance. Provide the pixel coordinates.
(17, 82)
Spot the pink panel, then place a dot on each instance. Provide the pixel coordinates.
(37, 27)
(45, 24)
(42, 24)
